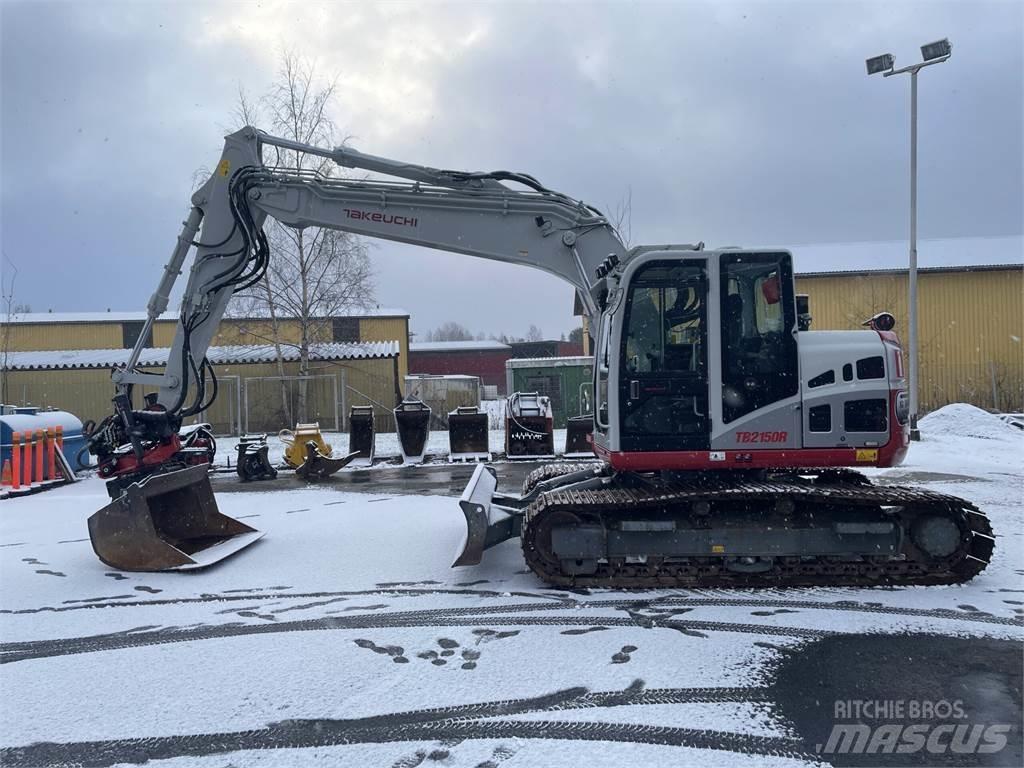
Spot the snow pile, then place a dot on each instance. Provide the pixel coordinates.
(963, 420)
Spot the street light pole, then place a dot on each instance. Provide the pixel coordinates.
(933, 53)
(915, 433)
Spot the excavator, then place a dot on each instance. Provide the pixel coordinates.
(729, 435)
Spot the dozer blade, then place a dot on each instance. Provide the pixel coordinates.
(489, 519)
(165, 522)
(317, 466)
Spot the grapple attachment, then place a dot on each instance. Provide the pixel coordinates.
(253, 462)
(490, 517)
(467, 435)
(412, 418)
(360, 435)
(167, 521)
(317, 466)
(578, 429)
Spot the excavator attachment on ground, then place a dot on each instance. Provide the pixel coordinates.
(253, 462)
(412, 419)
(468, 435)
(361, 435)
(578, 432)
(529, 426)
(166, 522)
(317, 466)
(308, 453)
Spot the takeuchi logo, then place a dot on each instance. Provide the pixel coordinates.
(381, 218)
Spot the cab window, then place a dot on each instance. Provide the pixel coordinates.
(759, 354)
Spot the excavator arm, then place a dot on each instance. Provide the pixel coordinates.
(477, 214)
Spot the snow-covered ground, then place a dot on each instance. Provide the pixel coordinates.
(343, 637)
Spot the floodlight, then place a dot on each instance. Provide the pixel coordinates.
(936, 50)
(882, 63)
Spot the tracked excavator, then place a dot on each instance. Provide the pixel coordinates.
(729, 436)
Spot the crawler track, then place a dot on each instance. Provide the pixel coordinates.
(814, 497)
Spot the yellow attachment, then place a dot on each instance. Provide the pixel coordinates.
(295, 443)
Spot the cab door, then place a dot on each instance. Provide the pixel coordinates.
(663, 389)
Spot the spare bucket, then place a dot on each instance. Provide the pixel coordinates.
(577, 431)
(360, 434)
(468, 435)
(167, 521)
(412, 418)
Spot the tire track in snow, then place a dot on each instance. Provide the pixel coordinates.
(37, 649)
(560, 601)
(436, 724)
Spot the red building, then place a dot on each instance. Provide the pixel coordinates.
(485, 359)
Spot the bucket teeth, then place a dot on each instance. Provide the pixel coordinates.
(168, 521)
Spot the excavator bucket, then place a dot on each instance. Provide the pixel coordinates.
(412, 417)
(578, 430)
(317, 466)
(361, 434)
(167, 522)
(490, 517)
(467, 435)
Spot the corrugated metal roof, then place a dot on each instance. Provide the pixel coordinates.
(127, 317)
(920, 270)
(227, 355)
(457, 346)
(548, 362)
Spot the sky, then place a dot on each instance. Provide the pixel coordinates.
(732, 123)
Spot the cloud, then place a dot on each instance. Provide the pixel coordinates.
(728, 122)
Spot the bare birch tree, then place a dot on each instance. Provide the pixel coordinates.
(315, 274)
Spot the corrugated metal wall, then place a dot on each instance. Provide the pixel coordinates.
(971, 325)
(31, 337)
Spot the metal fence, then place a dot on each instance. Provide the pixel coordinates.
(272, 403)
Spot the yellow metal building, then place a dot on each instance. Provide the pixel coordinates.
(358, 359)
(970, 326)
(251, 395)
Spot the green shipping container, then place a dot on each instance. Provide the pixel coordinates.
(568, 381)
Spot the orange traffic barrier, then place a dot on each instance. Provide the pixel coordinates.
(37, 451)
(51, 455)
(26, 458)
(16, 460)
(5, 476)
